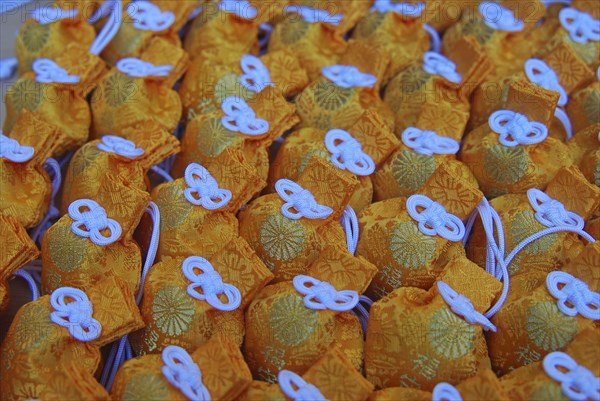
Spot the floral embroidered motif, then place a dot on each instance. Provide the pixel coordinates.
(293, 30)
(282, 238)
(449, 335)
(229, 85)
(145, 387)
(172, 310)
(524, 224)
(292, 322)
(26, 94)
(33, 327)
(506, 165)
(330, 97)
(591, 105)
(174, 208)
(212, 138)
(67, 251)
(410, 247)
(35, 36)
(548, 327)
(118, 89)
(411, 170)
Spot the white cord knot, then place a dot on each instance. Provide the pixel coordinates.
(119, 146)
(321, 295)
(347, 76)
(241, 8)
(48, 72)
(347, 154)
(463, 307)
(408, 9)
(576, 293)
(499, 18)
(434, 219)
(551, 212)
(180, 370)
(300, 199)
(314, 15)
(211, 283)
(428, 142)
(203, 190)
(515, 129)
(436, 64)
(543, 76)
(48, 15)
(576, 382)
(11, 150)
(256, 76)
(136, 68)
(239, 117)
(582, 27)
(76, 315)
(294, 387)
(93, 220)
(445, 392)
(147, 16)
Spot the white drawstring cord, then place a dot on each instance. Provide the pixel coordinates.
(147, 16)
(300, 199)
(445, 392)
(346, 153)
(184, 374)
(582, 27)
(551, 212)
(136, 68)
(347, 76)
(11, 149)
(93, 220)
(428, 142)
(25, 275)
(76, 315)
(165, 176)
(48, 72)
(314, 15)
(256, 76)
(434, 38)
(239, 117)
(294, 387)
(436, 64)
(320, 295)
(48, 15)
(515, 129)
(241, 8)
(211, 283)
(576, 382)
(462, 306)
(263, 41)
(110, 30)
(408, 9)
(363, 313)
(203, 190)
(119, 146)
(550, 2)
(540, 74)
(433, 219)
(583, 301)
(499, 18)
(53, 169)
(565, 121)
(349, 223)
(104, 9)
(8, 66)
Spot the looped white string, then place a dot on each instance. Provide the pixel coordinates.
(445, 392)
(551, 212)
(320, 295)
(428, 142)
(266, 30)
(76, 315)
(104, 9)
(433, 219)
(203, 190)
(183, 373)
(239, 117)
(346, 153)
(148, 17)
(463, 307)
(540, 74)
(582, 27)
(31, 281)
(111, 28)
(408, 9)
(565, 121)
(256, 76)
(314, 15)
(8, 66)
(211, 283)
(515, 129)
(576, 293)
(53, 169)
(300, 199)
(11, 150)
(499, 18)
(136, 68)
(434, 38)
(93, 220)
(294, 387)
(577, 383)
(47, 15)
(48, 72)
(436, 64)
(347, 76)
(349, 223)
(241, 8)
(119, 146)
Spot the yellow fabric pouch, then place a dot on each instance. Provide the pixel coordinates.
(585, 149)
(583, 107)
(73, 382)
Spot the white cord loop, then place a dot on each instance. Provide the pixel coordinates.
(314, 15)
(577, 383)
(408, 9)
(203, 190)
(148, 17)
(576, 293)
(294, 387)
(436, 64)
(428, 142)
(119, 146)
(582, 27)
(11, 150)
(349, 223)
(300, 199)
(112, 26)
(433, 219)
(515, 129)
(8, 66)
(320, 295)
(241, 8)
(462, 306)
(256, 76)
(564, 119)
(93, 220)
(500, 18)
(551, 212)
(48, 72)
(543, 76)
(346, 153)
(239, 117)
(136, 68)
(183, 373)
(211, 283)
(445, 392)
(347, 76)
(48, 15)
(76, 315)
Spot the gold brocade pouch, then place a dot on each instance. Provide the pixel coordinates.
(68, 326)
(585, 149)
(331, 378)
(198, 211)
(359, 151)
(215, 370)
(395, 238)
(418, 338)
(291, 324)
(584, 107)
(437, 79)
(189, 300)
(73, 382)
(289, 229)
(512, 151)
